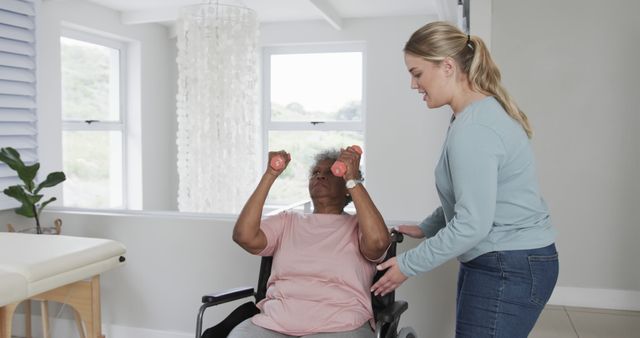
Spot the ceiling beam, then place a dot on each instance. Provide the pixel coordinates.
(328, 12)
(166, 14)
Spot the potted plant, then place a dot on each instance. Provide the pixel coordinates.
(29, 193)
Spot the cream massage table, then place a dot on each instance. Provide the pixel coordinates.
(55, 268)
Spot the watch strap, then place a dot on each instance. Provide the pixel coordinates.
(352, 183)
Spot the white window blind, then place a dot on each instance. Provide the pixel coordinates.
(17, 87)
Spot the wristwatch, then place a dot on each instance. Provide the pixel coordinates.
(350, 184)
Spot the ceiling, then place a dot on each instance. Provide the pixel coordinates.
(333, 11)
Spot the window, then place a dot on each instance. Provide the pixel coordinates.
(312, 102)
(18, 127)
(93, 145)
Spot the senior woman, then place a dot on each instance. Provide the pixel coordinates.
(323, 263)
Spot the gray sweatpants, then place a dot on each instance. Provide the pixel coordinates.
(247, 329)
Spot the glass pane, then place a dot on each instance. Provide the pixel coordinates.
(92, 161)
(90, 81)
(291, 186)
(316, 87)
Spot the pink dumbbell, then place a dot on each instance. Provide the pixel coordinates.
(339, 168)
(277, 162)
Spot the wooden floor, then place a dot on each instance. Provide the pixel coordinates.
(571, 322)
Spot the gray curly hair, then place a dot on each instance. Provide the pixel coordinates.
(330, 155)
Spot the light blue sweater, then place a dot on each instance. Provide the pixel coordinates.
(488, 189)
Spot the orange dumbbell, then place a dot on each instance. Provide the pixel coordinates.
(277, 162)
(339, 168)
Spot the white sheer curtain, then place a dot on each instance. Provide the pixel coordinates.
(218, 122)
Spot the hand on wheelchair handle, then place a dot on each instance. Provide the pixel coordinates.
(391, 279)
(410, 230)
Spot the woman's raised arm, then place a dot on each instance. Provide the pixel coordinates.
(246, 231)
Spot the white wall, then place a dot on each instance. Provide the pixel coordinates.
(154, 93)
(572, 66)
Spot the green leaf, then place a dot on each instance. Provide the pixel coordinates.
(11, 157)
(27, 174)
(44, 204)
(25, 210)
(26, 194)
(52, 179)
(34, 199)
(17, 192)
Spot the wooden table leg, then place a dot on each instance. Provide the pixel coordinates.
(84, 298)
(6, 316)
(78, 321)
(27, 318)
(96, 314)
(44, 313)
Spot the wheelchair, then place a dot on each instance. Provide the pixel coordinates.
(386, 309)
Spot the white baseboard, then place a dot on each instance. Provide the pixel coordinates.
(117, 331)
(61, 327)
(596, 298)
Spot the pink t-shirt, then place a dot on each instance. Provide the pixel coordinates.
(319, 279)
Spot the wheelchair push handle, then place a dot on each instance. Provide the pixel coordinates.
(396, 236)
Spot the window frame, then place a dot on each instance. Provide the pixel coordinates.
(269, 125)
(96, 125)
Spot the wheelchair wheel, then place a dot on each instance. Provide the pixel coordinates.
(407, 332)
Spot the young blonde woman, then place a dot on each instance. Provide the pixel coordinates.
(492, 216)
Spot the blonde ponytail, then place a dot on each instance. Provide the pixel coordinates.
(484, 76)
(437, 40)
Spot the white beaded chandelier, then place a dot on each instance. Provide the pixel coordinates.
(218, 135)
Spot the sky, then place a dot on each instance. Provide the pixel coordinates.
(318, 81)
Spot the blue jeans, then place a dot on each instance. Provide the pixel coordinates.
(501, 293)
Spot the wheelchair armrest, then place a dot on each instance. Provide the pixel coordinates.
(228, 295)
(392, 312)
(220, 298)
